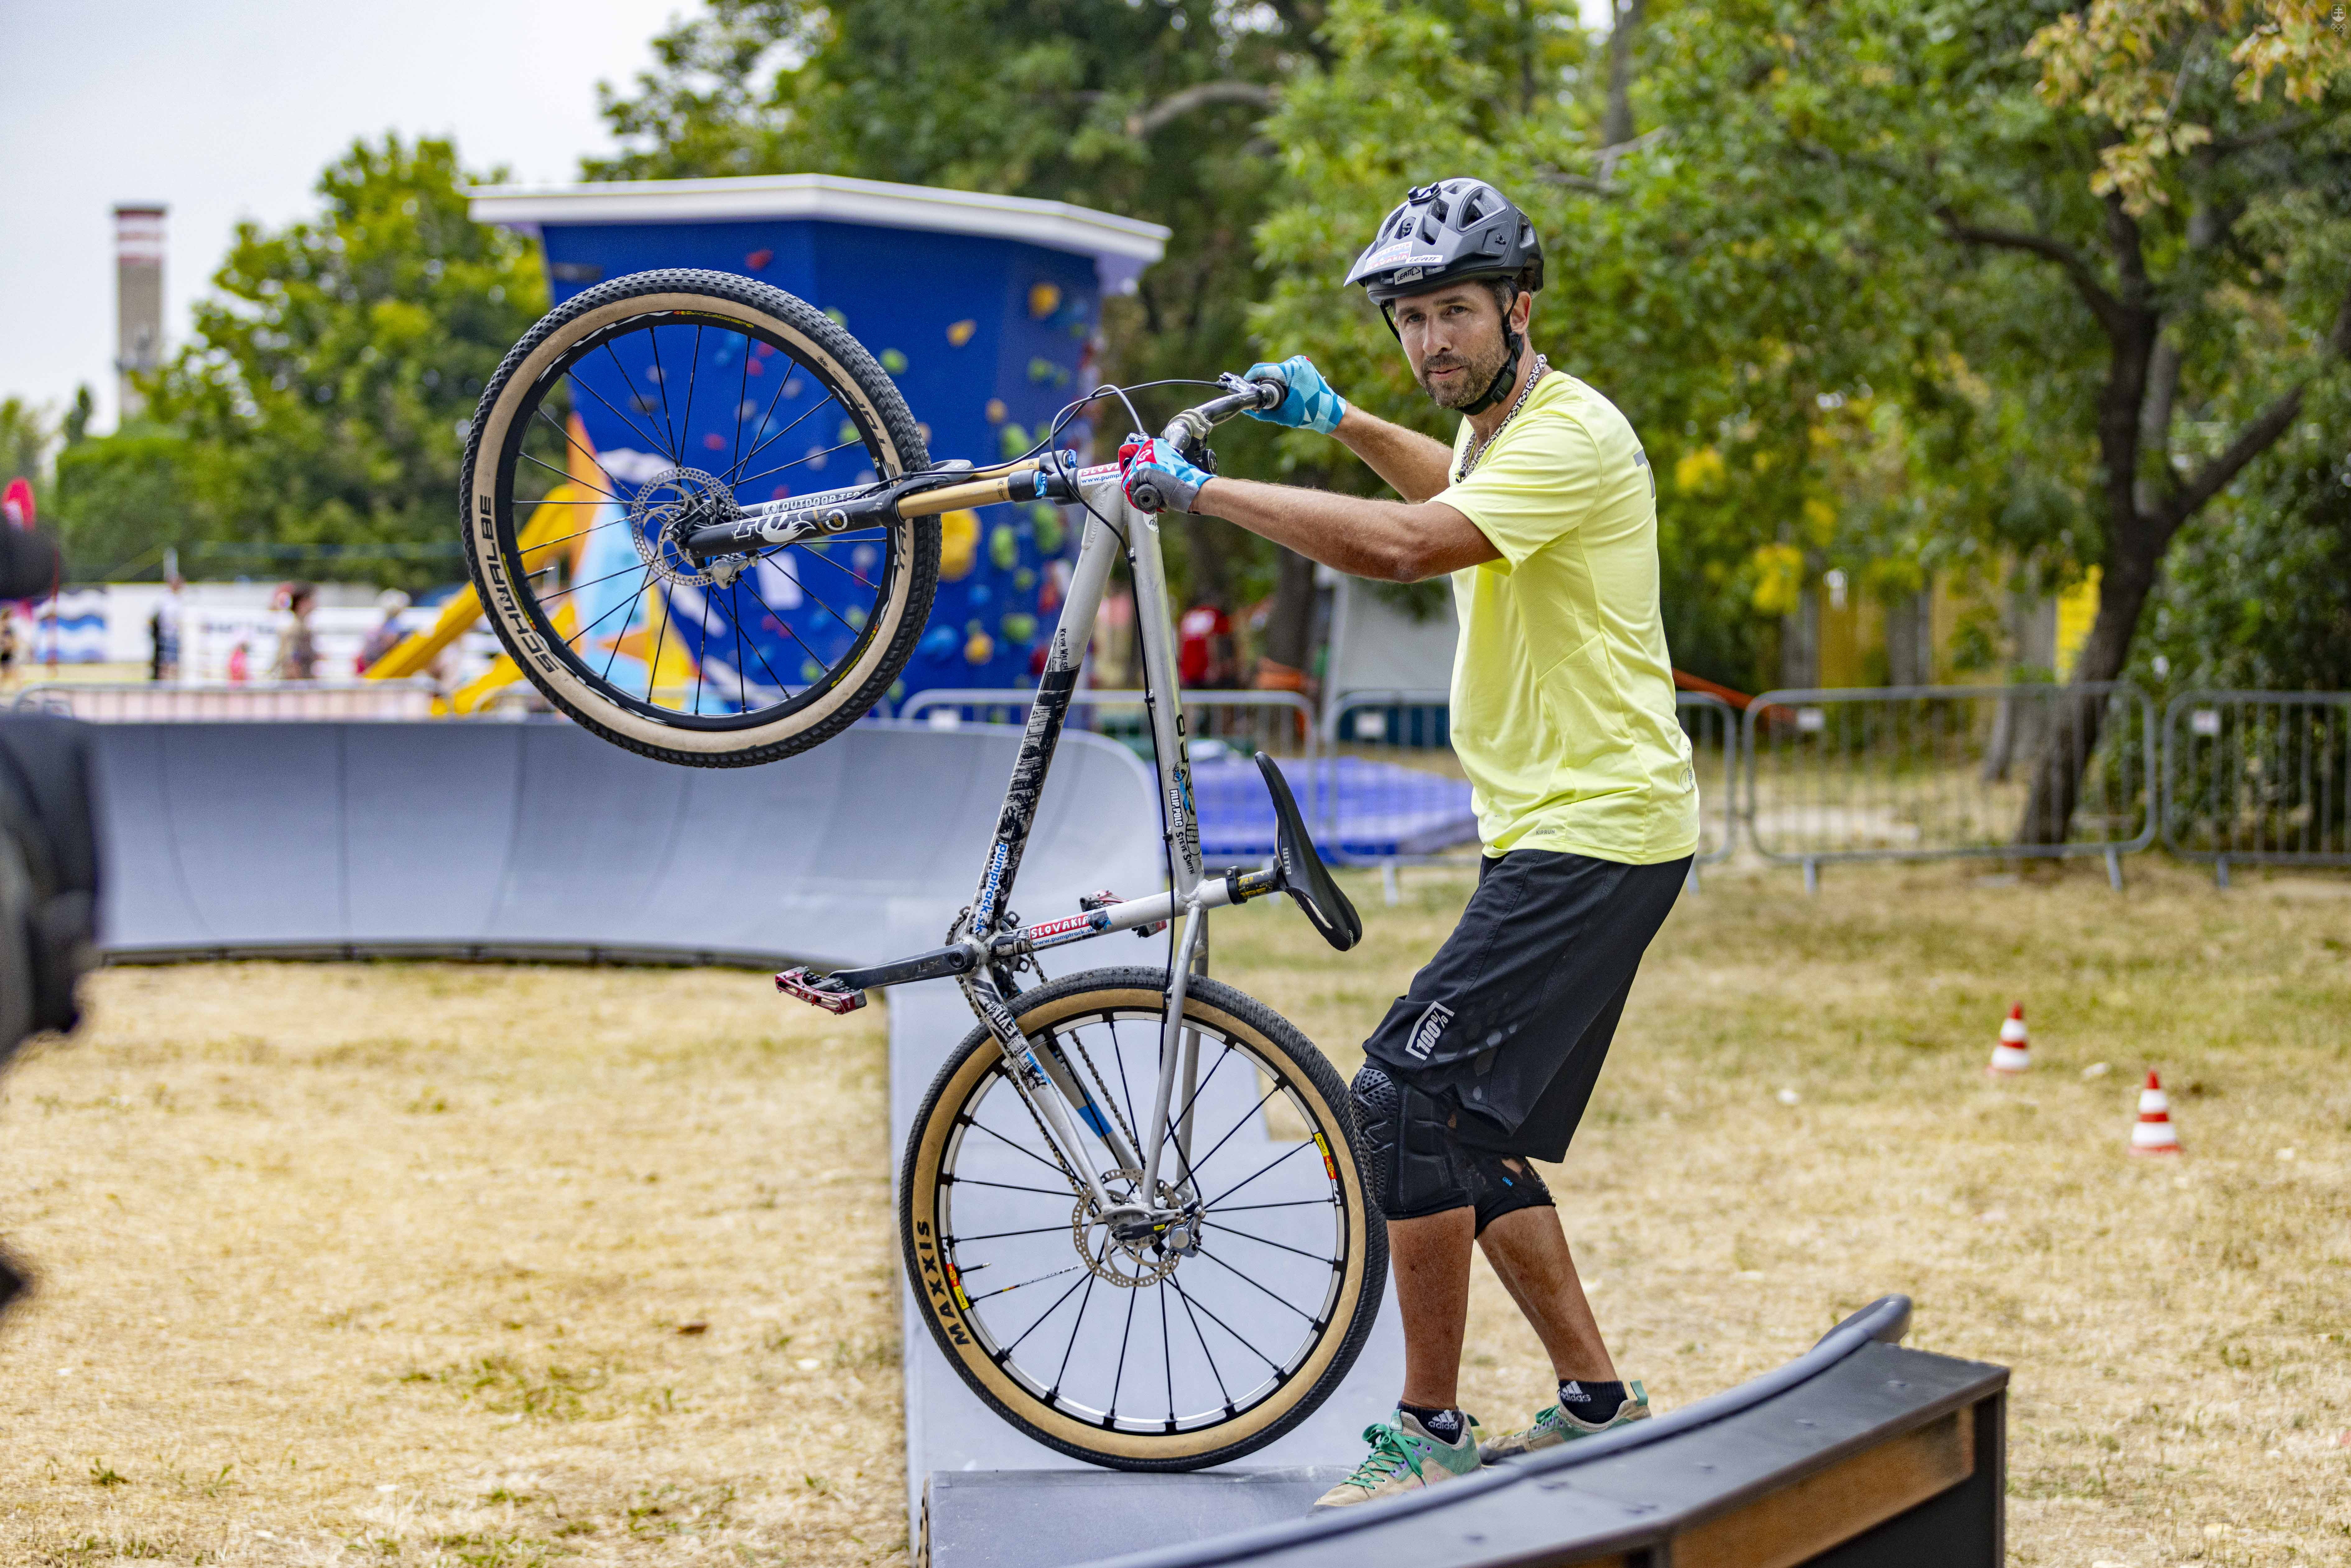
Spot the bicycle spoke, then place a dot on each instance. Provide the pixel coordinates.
(813, 454)
(573, 441)
(1244, 1341)
(1267, 1242)
(567, 477)
(593, 625)
(1260, 1290)
(1037, 1279)
(753, 455)
(781, 625)
(703, 652)
(1049, 1164)
(1167, 1352)
(757, 652)
(581, 534)
(693, 368)
(811, 593)
(1118, 1380)
(661, 384)
(1206, 1354)
(633, 566)
(635, 599)
(1078, 1323)
(1064, 1194)
(1049, 1312)
(1292, 1203)
(742, 396)
(1244, 1121)
(1001, 1234)
(1259, 1171)
(635, 398)
(635, 429)
(838, 567)
(742, 675)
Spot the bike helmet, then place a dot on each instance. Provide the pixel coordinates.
(1444, 232)
(1452, 232)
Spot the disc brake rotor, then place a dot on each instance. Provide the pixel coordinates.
(1131, 1264)
(669, 508)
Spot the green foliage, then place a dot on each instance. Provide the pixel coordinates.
(121, 499)
(26, 437)
(325, 397)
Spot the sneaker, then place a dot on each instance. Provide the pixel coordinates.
(1405, 1457)
(1555, 1426)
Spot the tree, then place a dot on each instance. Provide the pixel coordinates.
(325, 396)
(26, 437)
(1150, 110)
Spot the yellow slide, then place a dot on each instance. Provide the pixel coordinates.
(551, 525)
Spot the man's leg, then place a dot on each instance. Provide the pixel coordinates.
(1431, 1260)
(1528, 1251)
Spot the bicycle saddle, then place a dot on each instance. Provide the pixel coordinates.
(1302, 871)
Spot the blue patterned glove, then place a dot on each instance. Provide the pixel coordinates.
(1156, 478)
(1311, 404)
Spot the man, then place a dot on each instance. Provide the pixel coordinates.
(1544, 514)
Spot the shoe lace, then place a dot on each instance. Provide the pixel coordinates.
(1390, 1452)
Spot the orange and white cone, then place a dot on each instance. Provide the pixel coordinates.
(2154, 1134)
(2013, 1054)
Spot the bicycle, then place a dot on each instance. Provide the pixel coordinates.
(1238, 1207)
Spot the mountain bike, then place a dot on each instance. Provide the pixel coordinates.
(1132, 1203)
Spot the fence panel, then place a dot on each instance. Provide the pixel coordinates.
(2259, 777)
(1928, 772)
(149, 702)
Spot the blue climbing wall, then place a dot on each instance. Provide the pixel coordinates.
(985, 337)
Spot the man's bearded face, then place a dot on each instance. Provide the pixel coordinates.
(1454, 342)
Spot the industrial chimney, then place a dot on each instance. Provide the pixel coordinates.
(138, 298)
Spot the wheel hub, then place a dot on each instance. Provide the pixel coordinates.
(669, 508)
(1130, 1253)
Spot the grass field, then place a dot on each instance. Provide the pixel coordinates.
(405, 1264)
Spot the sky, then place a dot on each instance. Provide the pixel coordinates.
(228, 109)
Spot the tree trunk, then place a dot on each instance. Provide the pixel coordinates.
(1211, 583)
(1617, 129)
(2076, 716)
(1290, 628)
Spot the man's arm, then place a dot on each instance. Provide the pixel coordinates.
(1415, 467)
(1399, 541)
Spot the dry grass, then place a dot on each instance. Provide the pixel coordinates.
(399, 1264)
(364, 1262)
(2179, 1332)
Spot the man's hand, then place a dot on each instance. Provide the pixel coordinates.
(1309, 403)
(1156, 478)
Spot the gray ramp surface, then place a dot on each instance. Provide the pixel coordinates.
(535, 840)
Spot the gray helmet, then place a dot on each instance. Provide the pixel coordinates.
(1446, 233)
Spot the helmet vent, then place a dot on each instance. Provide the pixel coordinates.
(1428, 229)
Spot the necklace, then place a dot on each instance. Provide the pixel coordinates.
(1542, 369)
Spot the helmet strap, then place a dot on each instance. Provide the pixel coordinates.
(1504, 379)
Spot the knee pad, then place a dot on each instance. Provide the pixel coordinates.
(1416, 1166)
(1499, 1190)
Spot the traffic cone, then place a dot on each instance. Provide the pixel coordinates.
(2013, 1054)
(2154, 1134)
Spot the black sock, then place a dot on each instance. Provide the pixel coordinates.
(1445, 1426)
(1590, 1403)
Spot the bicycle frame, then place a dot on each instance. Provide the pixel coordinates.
(985, 947)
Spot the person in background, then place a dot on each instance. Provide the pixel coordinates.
(7, 644)
(298, 652)
(1204, 649)
(387, 636)
(164, 629)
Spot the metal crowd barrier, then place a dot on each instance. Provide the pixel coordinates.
(1928, 772)
(2259, 777)
(152, 702)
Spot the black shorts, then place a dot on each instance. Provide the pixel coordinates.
(1506, 1027)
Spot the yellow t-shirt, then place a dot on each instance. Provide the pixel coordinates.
(1563, 692)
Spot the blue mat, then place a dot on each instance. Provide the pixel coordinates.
(1355, 808)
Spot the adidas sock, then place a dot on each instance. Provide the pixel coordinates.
(1590, 1403)
(1445, 1426)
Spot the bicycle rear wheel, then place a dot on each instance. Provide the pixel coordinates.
(1138, 1357)
(713, 393)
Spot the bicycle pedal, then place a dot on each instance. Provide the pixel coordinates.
(817, 990)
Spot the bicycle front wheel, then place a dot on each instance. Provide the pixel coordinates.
(707, 394)
(1144, 1355)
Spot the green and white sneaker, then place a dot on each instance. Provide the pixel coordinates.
(1554, 1426)
(1405, 1457)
